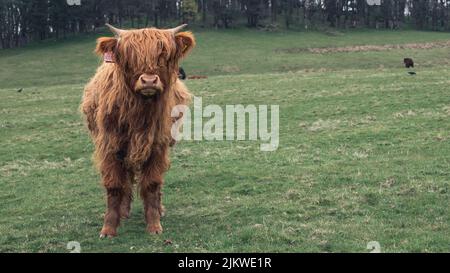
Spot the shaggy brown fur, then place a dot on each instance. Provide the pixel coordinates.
(131, 131)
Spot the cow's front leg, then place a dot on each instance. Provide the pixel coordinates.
(151, 185)
(114, 176)
(112, 215)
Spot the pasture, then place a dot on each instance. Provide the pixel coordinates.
(364, 150)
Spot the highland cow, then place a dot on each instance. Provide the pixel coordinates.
(128, 106)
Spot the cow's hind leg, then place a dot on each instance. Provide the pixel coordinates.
(127, 198)
(152, 206)
(114, 177)
(150, 186)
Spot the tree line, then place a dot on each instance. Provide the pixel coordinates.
(22, 21)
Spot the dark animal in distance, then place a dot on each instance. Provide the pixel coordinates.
(128, 105)
(408, 62)
(181, 74)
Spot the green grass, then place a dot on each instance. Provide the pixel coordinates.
(364, 150)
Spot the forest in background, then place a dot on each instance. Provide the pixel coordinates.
(22, 21)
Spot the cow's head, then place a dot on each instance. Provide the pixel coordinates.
(147, 57)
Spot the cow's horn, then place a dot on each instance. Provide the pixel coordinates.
(178, 28)
(114, 30)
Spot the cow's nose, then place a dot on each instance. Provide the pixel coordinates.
(149, 80)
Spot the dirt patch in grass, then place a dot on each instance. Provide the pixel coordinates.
(364, 48)
(24, 167)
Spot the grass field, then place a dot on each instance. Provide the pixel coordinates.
(364, 150)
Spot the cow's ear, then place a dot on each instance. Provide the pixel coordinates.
(185, 43)
(105, 44)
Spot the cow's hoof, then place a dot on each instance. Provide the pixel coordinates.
(108, 232)
(102, 236)
(155, 229)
